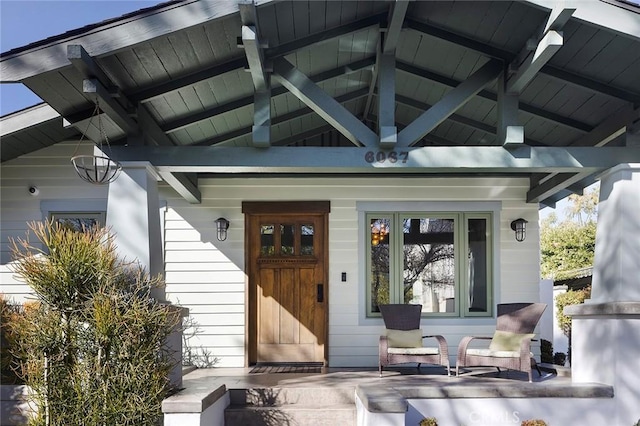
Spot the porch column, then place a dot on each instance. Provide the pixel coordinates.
(133, 215)
(606, 328)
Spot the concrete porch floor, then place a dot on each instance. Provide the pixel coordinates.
(474, 379)
(342, 390)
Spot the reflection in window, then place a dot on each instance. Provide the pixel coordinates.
(477, 265)
(287, 242)
(79, 221)
(429, 263)
(306, 240)
(439, 260)
(78, 224)
(379, 262)
(267, 243)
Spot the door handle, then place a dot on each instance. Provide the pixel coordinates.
(320, 293)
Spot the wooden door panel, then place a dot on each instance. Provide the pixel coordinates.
(288, 309)
(290, 321)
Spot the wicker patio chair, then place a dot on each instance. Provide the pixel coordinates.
(402, 340)
(510, 346)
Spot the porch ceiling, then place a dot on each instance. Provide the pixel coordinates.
(271, 77)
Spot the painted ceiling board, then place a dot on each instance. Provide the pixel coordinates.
(198, 41)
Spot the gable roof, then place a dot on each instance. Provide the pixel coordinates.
(436, 79)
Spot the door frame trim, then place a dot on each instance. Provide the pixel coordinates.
(251, 208)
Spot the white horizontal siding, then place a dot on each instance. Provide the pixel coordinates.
(50, 170)
(195, 260)
(208, 276)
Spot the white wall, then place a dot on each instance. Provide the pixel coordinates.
(50, 170)
(208, 276)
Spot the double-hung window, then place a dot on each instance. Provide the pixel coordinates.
(441, 260)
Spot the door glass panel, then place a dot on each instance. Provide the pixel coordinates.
(379, 249)
(429, 264)
(267, 243)
(477, 265)
(306, 240)
(287, 242)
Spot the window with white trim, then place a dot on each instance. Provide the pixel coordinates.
(441, 260)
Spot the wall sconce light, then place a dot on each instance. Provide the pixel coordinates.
(520, 227)
(222, 225)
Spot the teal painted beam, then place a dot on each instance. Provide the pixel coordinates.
(324, 105)
(449, 103)
(423, 160)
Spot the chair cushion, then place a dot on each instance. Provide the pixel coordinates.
(413, 351)
(495, 354)
(404, 338)
(508, 341)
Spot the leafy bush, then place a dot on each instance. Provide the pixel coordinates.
(571, 297)
(559, 358)
(546, 351)
(8, 312)
(535, 422)
(92, 350)
(428, 421)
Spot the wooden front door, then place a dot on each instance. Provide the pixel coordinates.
(287, 283)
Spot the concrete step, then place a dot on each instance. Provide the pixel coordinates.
(288, 396)
(291, 415)
(292, 406)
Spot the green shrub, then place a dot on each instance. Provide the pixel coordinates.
(428, 421)
(535, 422)
(559, 358)
(92, 349)
(571, 297)
(8, 312)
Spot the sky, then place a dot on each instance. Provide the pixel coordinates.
(25, 21)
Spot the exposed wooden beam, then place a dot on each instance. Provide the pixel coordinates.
(356, 94)
(469, 122)
(600, 14)
(507, 113)
(261, 129)
(299, 137)
(150, 93)
(612, 127)
(527, 70)
(596, 86)
(449, 103)
(152, 133)
(424, 160)
(552, 186)
(185, 184)
(324, 36)
(184, 122)
(110, 106)
(558, 17)
(88, 68)
(447, 81)
(324, 105)
(397, 12)
(255, 56)
(112, 36)
(608, 130)
(387, 101)
(497, 53)
(462, 40)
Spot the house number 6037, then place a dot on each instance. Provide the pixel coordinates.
(382, 156)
